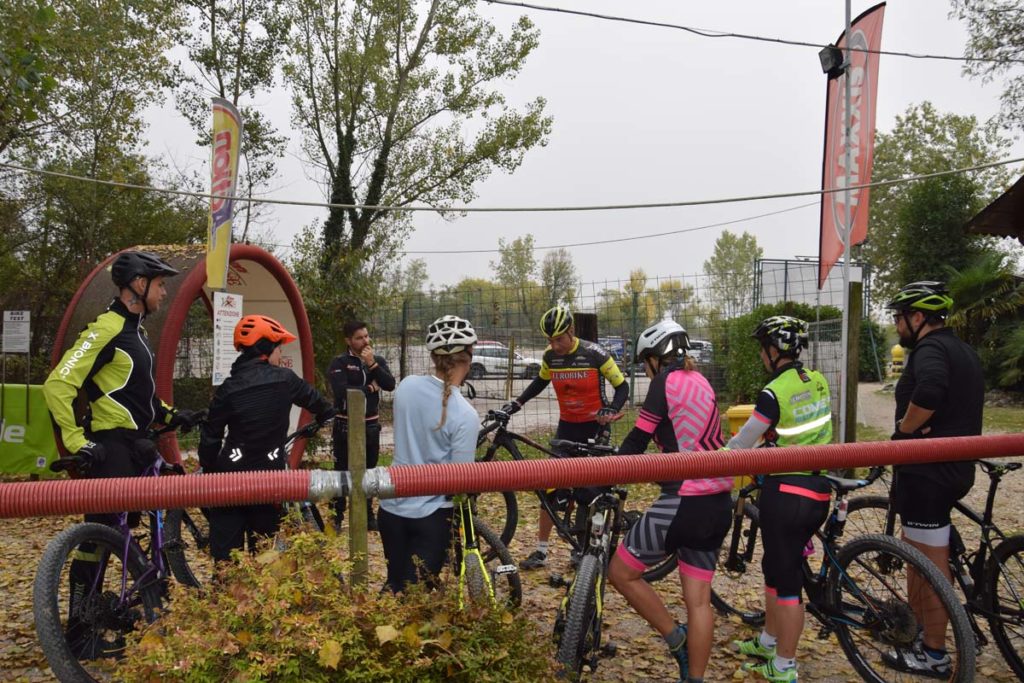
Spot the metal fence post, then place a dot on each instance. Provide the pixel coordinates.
(634, 334)
(402, 340)
(357, 548)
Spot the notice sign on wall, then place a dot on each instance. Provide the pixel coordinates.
(16, 331)
(227, 311)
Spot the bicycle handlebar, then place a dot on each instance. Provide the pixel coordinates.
(582, 448)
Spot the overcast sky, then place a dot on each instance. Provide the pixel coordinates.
(645, 114)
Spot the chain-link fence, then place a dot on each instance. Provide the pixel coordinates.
(612, 312)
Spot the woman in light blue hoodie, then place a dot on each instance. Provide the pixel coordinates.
(433, 424)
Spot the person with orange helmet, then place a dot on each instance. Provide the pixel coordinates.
(253, 406)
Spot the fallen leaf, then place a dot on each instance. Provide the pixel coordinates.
(386, 633)
(330, 654)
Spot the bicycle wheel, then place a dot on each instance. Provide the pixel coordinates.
(86, 646)
(187, 546)
(735, 590)
(499, 508)
(1004, 593)
(866, 515)
(581, 636)
(870, 604)
(501, 566)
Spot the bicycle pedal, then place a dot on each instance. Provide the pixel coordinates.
(503, 569)
(824, 633)
(609, 649)
(557, 581)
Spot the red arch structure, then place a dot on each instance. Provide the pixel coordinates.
(262, 280)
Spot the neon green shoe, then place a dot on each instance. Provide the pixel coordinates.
(752, 647)
(769, 673)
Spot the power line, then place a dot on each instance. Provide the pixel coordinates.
(624, 239)
(509, 209)
(710, 33)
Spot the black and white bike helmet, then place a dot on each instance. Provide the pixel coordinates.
(664, 338)
(450, 334)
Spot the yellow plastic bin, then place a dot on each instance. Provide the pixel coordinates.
(896, 362)
(737, 417)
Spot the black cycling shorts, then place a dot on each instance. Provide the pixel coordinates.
(792, 508)
(925, 503)
(580, 432)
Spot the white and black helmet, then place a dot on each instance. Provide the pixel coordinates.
(450, 334)
(664, 338)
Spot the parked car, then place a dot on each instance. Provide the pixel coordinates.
(701, 351)
(491, 358)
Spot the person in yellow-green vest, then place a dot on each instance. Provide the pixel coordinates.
(794, 409)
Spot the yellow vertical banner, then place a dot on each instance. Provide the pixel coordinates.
(227, 145)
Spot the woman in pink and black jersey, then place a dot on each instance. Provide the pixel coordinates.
(690, 518)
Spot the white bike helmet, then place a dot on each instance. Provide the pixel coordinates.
(661, 339)
(450, 334)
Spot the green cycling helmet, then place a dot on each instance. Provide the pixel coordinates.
(928, 296)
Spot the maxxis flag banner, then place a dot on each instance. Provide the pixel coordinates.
(865, 34)
(227, 145)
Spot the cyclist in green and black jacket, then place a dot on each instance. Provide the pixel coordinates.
(112, 362)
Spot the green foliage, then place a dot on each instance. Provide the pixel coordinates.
(397, 103)
(987, 313)
(649, 303)
(994, 31)
(26, 78)
(926, 141)
(286, 616)
(744, 372)
(558, 276)
(873, 356)
(731, 271)
(515, 266)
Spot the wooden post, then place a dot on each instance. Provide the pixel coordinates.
(856, 300)
(357, 551)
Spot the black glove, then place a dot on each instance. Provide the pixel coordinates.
(607, 411)
(309, 430)
(511, 408)
(901, 436)
(186, 419)
(86, 456)
(144, 453)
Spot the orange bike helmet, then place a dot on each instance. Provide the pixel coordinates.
(253, 328)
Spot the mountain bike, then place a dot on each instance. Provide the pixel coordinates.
(487, 573)
(858, 592)
(187, 530)
(120, 579)
(568, 516)
(578, 622)
(990, 574)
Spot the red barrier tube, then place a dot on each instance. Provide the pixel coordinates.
(627, 469)
(33, 499)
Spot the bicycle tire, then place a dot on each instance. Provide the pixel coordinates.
(503, 515)
(187, 532)
(1005, 575)
(873, 615)
(866, 515)
(735, 590)
(47, 591)
(578, 642)
(504, 572)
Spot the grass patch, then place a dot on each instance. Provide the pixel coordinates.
(869, 433)
(1003, 419)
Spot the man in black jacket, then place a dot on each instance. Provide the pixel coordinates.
(941, 392)
(357, 368)
(253, 405)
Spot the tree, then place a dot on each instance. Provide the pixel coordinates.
(384, 95)
(413, 277)
(25, 73)
(558, 276)
(731, 272)
(994, 30)
(516, 265)
(925, 141)
(235, 47)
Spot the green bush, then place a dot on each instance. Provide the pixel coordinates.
(287, 616)
(744, 372)
(873, 357)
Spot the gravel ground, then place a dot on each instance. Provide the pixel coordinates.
(641, 655)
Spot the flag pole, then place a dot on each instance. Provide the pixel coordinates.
(847, 235)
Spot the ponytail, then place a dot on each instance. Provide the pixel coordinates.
(445, 364)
